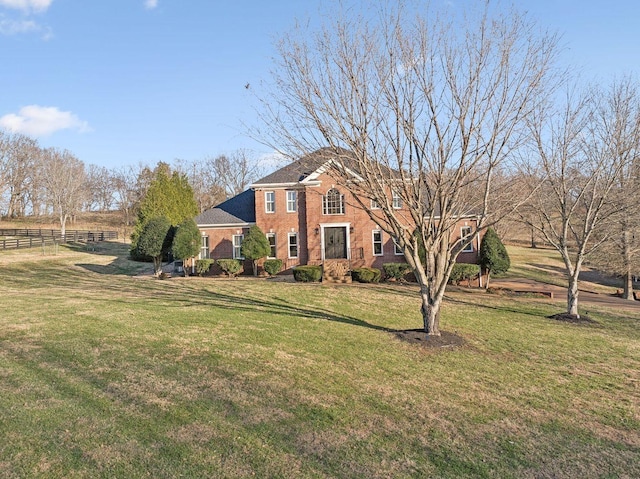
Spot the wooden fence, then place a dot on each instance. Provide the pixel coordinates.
(32, 238)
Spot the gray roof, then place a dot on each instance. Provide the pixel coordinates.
(299, 169)
(240, 210)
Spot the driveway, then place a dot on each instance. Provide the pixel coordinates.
(560, 293)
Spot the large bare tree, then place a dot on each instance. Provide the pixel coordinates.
(427, 103)
(582, 149)
(65, 183)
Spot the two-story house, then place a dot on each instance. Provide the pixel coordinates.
(308, 218)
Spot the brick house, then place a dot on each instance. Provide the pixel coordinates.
(308, 219)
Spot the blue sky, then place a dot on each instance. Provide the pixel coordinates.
(120, 82)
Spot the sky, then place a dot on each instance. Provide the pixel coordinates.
(123, 82)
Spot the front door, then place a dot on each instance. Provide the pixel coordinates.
(335, 242)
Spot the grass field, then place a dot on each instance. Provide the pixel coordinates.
(105, 374)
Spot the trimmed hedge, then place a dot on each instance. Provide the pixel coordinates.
(395, 270)
(203, 266)
(272, 266)
(230, 266)
(307, 274)
(464, 272)
(366, 275)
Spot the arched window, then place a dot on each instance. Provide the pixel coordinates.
(333, 203)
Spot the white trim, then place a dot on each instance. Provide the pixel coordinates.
(347, 227)
(225, 225)
(297, 236)
(295, 201)
(233, 246)
(275, 243)
(267, 202)
(373, 243)
(463, 237)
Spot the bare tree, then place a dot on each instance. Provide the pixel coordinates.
(619, 119)
(582, 149)
(125, 187)
(424, 105)
(235, 172)
(19, 154)
(100, 185)
(207, 189)
(64, 180)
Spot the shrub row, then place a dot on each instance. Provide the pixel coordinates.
(307, 274)
(366, 275)
(231, 267)
(464, 272)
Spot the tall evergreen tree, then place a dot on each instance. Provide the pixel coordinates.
(170, 195)
(493, 256)
(255, 246)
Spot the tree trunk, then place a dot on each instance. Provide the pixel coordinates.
(157, 265)
(488, 277)
(628, 278)
(255, 267)
(572, 296)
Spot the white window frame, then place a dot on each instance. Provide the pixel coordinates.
(237, 247)
(272, 247)
(396, 200)
(374, 204)
(292, 201)
(204, 246)
(326, 205)
(397, 250)
(269, 202)
(464, 237)
(290, 244)
(374, 242)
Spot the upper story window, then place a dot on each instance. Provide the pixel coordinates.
(374, 205)
(270, 201)
(396, 200)
(292, 201)
(333, 203)
(465, 233)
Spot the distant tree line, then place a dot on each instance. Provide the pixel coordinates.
(36, 181)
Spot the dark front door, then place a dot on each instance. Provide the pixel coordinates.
(335, 243)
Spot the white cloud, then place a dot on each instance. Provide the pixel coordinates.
(9, 26)
(149, 4)
(27, 5)
(35, 120)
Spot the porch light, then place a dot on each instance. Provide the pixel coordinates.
(316, 231)
(351, 229)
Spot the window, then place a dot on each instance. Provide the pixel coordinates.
(237, 243)
(271, 237)
(377, 243)
(204, 248)
(397, 200)
(397, 250)
(293, 245)
(269, 202)
(465, 233)
(374, 205)
(333, 203)
(292, 201)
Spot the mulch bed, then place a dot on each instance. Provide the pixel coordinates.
(420, 338)
(572, 318)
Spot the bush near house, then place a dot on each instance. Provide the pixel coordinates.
(366, 275)
(231, 267)
(272, 266)
(395, 271)
(464, 272)
(203, 266)
(307, 274)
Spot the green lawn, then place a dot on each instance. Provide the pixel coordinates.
(103, 374)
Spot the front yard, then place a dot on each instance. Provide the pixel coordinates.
(109, 375)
